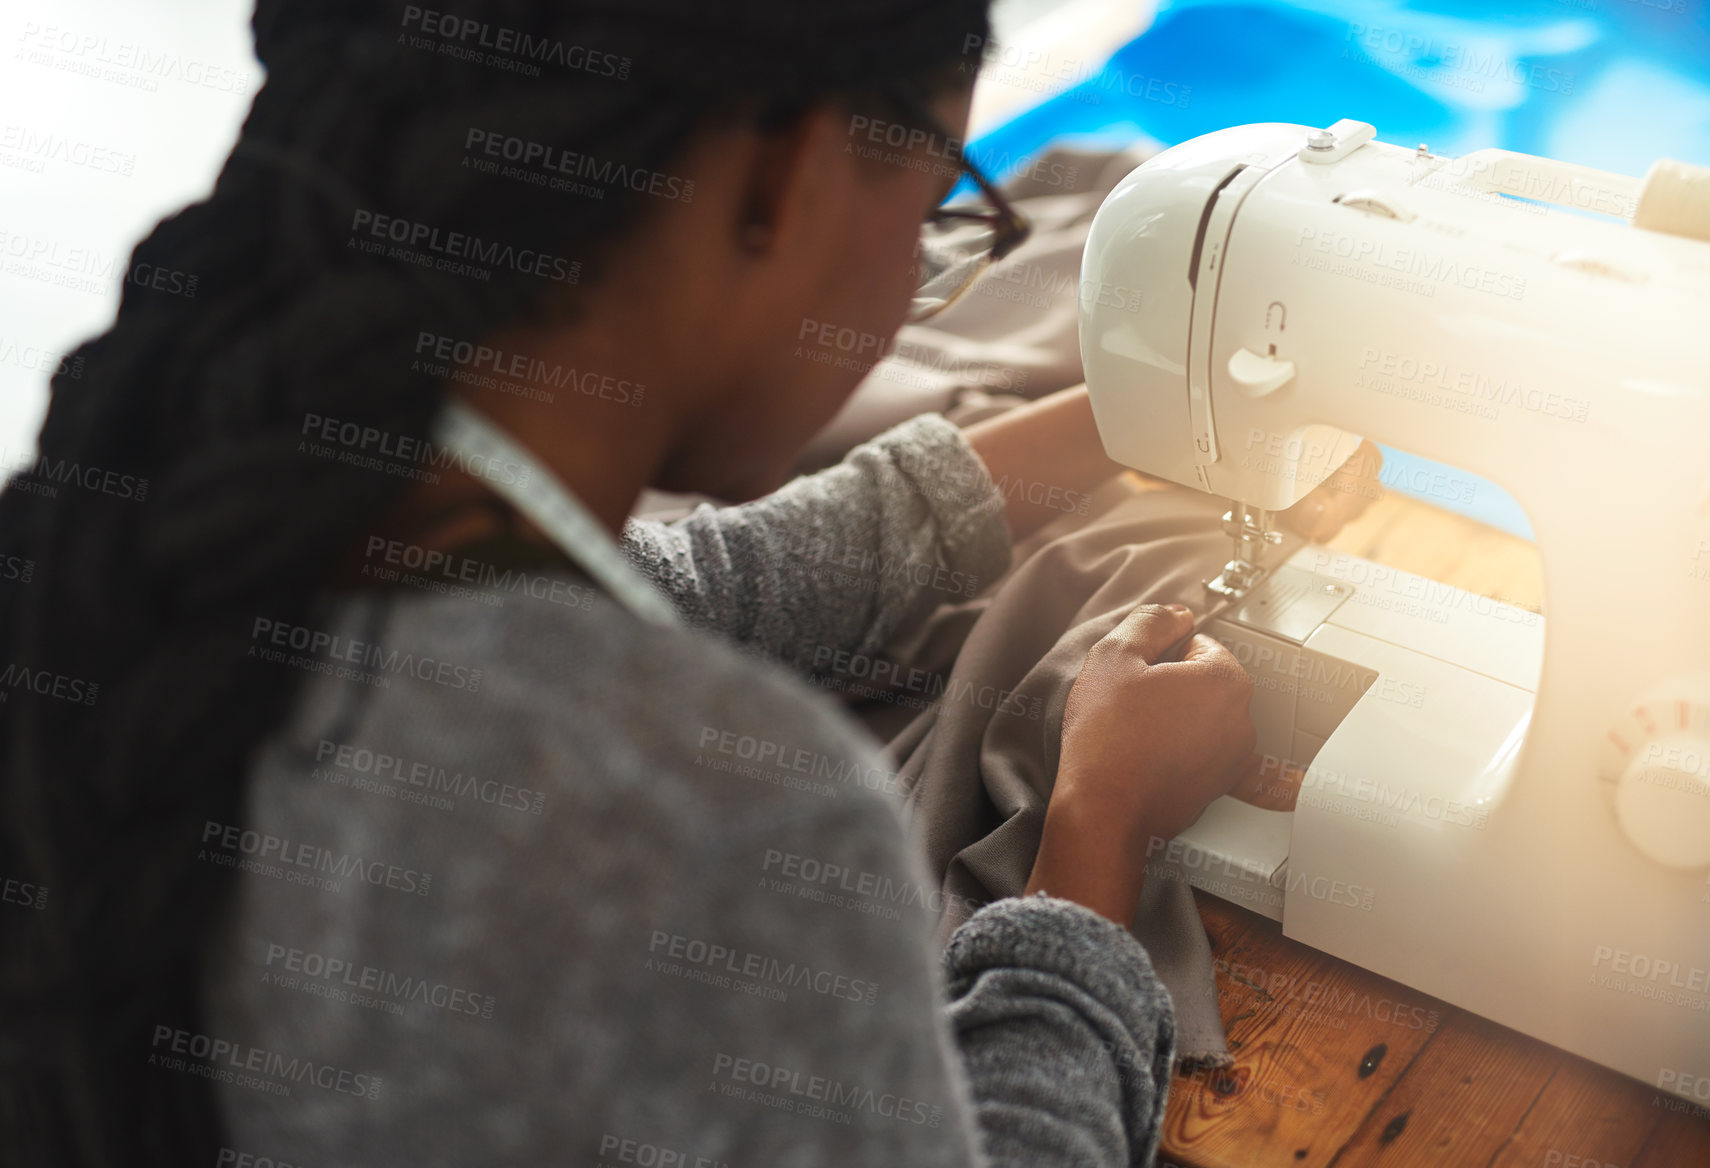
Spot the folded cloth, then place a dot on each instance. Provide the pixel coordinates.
(971, 705)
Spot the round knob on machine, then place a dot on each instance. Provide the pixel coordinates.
(1658, 760)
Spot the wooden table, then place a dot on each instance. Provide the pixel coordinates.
(1337, 1066)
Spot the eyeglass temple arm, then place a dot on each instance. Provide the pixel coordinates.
(1015, 228)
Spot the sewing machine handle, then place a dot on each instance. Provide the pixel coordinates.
(1546, 180)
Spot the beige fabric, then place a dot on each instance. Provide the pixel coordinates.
(980, 762)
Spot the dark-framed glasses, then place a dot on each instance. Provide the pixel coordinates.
(960, 241)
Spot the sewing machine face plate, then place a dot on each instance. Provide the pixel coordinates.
(1289, 603)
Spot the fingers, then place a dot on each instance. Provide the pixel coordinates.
(1339, 499)
(1206, 651)
(1229, 687)
(1355, 485)
(1151, 629)
(1367, 460)
(1362, 466)
(1326, 510)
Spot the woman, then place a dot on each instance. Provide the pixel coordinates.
(340, 868)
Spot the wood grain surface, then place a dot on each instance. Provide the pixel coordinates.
(1337, 1066)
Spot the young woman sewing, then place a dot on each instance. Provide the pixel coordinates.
(239, 923)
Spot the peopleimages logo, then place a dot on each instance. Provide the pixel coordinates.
(342, 980)
(878, 567)
(1684, 1083)
(44, 475)
(1466, 66)
(465, 38)
(1644, 968)
(272, 638)
(426, 567)
(799, 1089)
(456, 245)
(369, 447)
(228, 841)
(720, 960)
(1381, 369)
(1327, 999)
(1379, 261)
(556, 168)
(643, 1154)
(876, 677)
(224, 1057)
(232, 1158)
(24, 355)
(382, 768)
(46, 683)
(83, 268)
(511, 370)
(23, 893)
(781, 758)
(1191, 858)
(814, 879)
(124, 62)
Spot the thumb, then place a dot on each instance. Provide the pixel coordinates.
(1151, 629)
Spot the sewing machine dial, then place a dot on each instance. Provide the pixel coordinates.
(1656, 764)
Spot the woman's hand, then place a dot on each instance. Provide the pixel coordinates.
(1147, 745)
(1339, 499)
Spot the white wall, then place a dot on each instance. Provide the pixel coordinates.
(113, 113)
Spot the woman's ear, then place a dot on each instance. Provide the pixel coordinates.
(790, 177)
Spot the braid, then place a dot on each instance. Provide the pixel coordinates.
(191, 411)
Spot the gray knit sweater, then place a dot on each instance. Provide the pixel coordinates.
(534, 882)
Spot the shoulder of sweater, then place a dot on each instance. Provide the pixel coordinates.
(588, 693)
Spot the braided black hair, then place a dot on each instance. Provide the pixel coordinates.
(170, 504)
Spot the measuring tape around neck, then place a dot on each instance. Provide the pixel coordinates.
(539, 495)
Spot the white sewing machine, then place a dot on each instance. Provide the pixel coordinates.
(1508, 814)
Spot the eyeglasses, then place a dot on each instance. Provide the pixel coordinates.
(958, 243)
